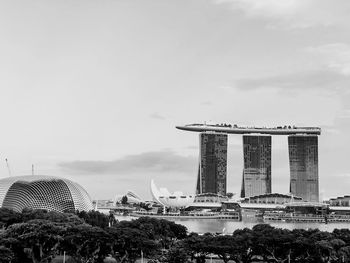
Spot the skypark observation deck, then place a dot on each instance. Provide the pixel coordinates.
(234, 129)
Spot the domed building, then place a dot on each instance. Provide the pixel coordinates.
(43, 192)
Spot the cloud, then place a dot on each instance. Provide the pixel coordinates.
(193, 147)
(300, 98)
(159, 162)
(157, 116)
(325, 80)
(295, 13)
(206, 103)
(335, 56)
(345, 175)
(344, 114)
(326, 129)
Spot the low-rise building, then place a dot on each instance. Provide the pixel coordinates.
(340, 201)
(274, 198)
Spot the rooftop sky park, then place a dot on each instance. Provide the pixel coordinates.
(235, 129)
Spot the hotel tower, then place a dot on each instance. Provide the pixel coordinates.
(256, 178)
(303, 163)
(257, 165)
(212, 163)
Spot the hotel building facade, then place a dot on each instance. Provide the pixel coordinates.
(257, 165)
(303, 163)
(212, 172)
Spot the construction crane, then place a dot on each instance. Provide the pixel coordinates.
(8, 167)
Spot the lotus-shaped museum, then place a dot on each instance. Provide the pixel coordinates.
(165, 198)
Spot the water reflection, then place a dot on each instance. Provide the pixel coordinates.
(227, 227)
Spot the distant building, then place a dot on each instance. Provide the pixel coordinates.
(339, 205)
(106, 203)
(340, 201)
(132, 198)
(303, 161)
(210, 198)
(273, 198)
(212, 170)
(257, 165)
(307, 208)
(207, 201)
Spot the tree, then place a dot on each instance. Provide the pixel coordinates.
(94, 218)
(302, 248)
(242, 251)
(343, 234)
(337, 245)
(38, 238)
(53, 216)
(196, 246)
(178, 231)
(272, 244)
(111, 219)
(222, 246)
(166, 232)
(9, 217)
(344, 254)
(129, 242)
(16, 247)
(124, 200)
(6, 255)
(230, 195)
(41, 240)
(177, 254)
(86, 243)
(324, 251)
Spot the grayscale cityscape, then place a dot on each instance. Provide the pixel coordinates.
(175, 131)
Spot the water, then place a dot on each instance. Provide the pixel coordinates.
(227, 227)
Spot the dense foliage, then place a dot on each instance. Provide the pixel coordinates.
(41, 236)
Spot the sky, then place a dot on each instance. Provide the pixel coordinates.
(92, 90)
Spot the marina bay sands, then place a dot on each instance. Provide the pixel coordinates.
(257, 174)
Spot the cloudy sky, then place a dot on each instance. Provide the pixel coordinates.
(92, 90)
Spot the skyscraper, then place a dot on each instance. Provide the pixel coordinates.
(257, 165)
(212, 163)
(303, 161)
